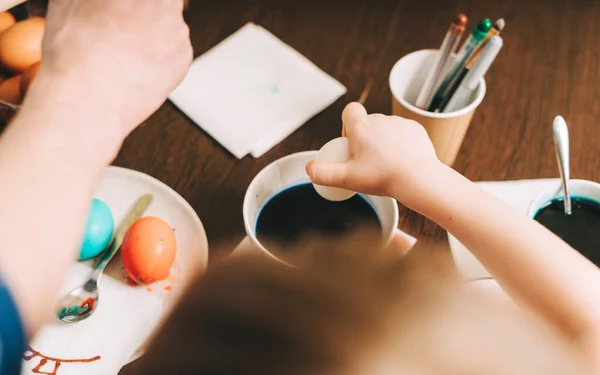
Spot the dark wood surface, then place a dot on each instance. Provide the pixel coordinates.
(549, 65)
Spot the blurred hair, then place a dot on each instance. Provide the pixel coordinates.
(349, 306)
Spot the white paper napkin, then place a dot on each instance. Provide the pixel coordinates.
(102, 343)
(252, 90)
(518, 194)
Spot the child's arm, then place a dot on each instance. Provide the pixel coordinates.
(393, 156)
(533, 265)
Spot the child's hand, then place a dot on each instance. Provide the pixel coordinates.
(388, 155)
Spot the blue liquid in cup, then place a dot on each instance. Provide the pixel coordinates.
(581, 229)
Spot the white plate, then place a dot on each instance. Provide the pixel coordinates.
(119, 189)
(128, 315)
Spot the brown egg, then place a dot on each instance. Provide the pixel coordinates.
(21, 44)
(28, 77)
(10, 90)
(6, 21)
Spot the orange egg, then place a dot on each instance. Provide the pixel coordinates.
(148, 250)
(6, 21)
(21, 44)
(10, 90)
(28, 77)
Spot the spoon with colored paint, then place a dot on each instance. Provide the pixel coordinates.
(561, 146)
(81, 302)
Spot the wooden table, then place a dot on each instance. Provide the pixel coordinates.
(549, 65)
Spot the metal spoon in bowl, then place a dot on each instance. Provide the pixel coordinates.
(81, 302)
(561, 146)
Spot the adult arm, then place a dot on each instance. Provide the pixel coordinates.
(49, 168)
(96, 83)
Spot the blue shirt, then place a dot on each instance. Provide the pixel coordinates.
(12, 335)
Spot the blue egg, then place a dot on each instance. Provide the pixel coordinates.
(98, 230)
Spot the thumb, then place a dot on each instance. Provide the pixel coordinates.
(328, 173)
(353, 112)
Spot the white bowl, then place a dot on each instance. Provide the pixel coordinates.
(577, 189)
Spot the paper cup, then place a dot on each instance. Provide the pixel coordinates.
(446, 130)
(290, 171)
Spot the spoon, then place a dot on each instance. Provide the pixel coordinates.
(81, 302)
(561, 146)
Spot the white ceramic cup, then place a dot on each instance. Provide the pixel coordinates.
(290, 171)
(577, 188)
(447, 129)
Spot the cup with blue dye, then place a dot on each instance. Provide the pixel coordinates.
(581, 229)
(282, 206)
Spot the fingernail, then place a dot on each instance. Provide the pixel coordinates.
(410, 239)
(308, 167)
(404, 240)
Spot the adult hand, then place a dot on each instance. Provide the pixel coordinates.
(388, 155)
(115, 59)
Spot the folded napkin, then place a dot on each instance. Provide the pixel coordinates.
(104, 342)
(252, 90)
(518, 194)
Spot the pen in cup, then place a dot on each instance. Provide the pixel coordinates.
(495, 30)
(480, 67)
(467, 50)
(436, 75)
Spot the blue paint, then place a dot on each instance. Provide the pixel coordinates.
(260, 208)
(573, 197)
(274, 90)
(72, 311)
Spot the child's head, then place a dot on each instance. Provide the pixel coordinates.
(350, 307)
